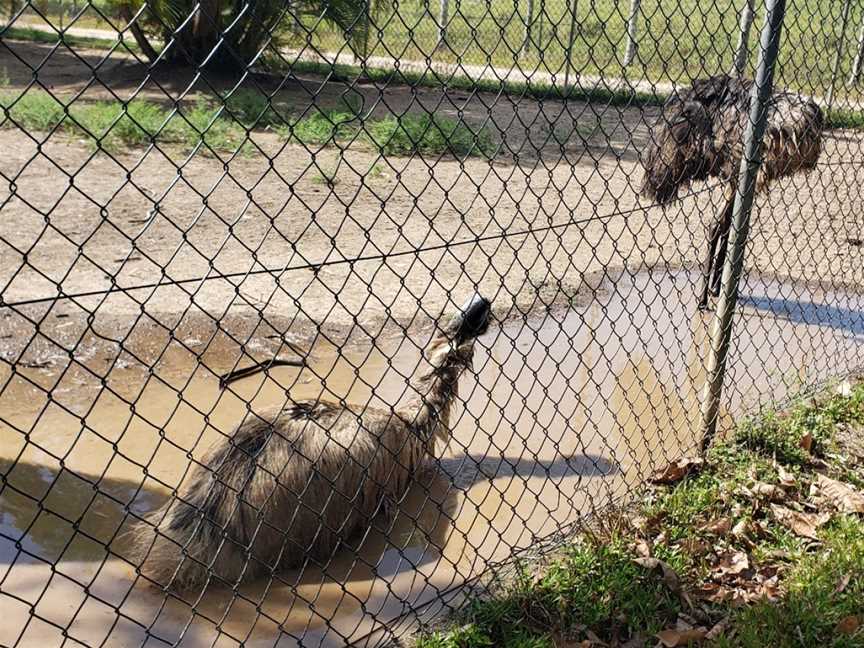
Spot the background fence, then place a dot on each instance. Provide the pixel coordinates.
(191, 187)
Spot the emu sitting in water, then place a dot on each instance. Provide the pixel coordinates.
(700, 134)
(294, 483)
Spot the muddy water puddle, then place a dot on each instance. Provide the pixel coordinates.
(565, 413)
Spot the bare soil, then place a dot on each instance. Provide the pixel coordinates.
(540, 224)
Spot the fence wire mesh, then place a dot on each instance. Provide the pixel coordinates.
(190, 188)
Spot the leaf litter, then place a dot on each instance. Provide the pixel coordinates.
(841, 495)
(677, 470)
(805, 525)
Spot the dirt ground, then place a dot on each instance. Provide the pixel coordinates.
(395, 239)
(113, 390)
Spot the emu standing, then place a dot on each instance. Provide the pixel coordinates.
(294, 483)
(700, 134)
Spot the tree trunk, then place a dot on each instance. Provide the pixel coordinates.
(138, 34)
(204, 33)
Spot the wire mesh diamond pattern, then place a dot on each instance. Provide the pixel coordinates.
(243, 398)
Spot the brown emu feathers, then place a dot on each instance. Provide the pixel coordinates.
(291, 484)
(700, 134)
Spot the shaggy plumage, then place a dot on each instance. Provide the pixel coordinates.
(700, 134)
(295, 482)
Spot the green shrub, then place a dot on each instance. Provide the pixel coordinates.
(32, 111)
(428, 134)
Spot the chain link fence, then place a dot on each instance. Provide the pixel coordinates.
(313, 191)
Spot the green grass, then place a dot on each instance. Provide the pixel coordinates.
(780, 436)
(677, 53)
(812, 607)
(322, 127)
(838, 118)
(677, 38)
(39, 36)
(594, 587)
(344, 73)
(540, 90)
(327, 175)
(591, 584)
(425, 133)
(112, 124)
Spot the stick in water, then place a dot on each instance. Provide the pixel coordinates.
(245, 372)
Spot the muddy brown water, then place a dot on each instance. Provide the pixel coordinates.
(565, 413)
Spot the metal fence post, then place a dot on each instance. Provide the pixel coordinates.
(835, 68)
(632, 25)
(569, 51)
(721, 327)
(743, 48)
(529, 20)
(443, 18)
(855, 75)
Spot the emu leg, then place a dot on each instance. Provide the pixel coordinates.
(714, 270)
(725, 226)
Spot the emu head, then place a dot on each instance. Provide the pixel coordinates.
(679, 150)
(453, 345)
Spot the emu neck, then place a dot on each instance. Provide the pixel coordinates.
(428, 412)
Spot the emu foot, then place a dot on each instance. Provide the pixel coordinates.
(715, 287)
(704, 297)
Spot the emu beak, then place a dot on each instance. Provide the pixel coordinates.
(472, 319)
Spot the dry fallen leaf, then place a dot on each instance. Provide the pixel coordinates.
(742, 529)
(743, 532)
(594, 639)
(634, 642)
(675, 637)
(718, 527)
(769, 589)
(842, 583)
(768, 491)
(767, 572)
(676, 470)
(731, 564)
(806, 442)
(849, 625)
(786, 478)
(670, 578)
(641, 548)
(846, 498)
(717, 630)
(685, 621)
(713, 592)
(694, 546)
(747, 591)
(802, 524)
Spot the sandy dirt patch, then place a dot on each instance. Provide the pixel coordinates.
(263, 237)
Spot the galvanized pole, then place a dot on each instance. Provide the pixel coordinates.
(859, 58)
(526, 45)
(632, 26)
(743, 48)
(541, 24)
(721, 327)
(835, 68)
(443, 18)
(569, 51)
